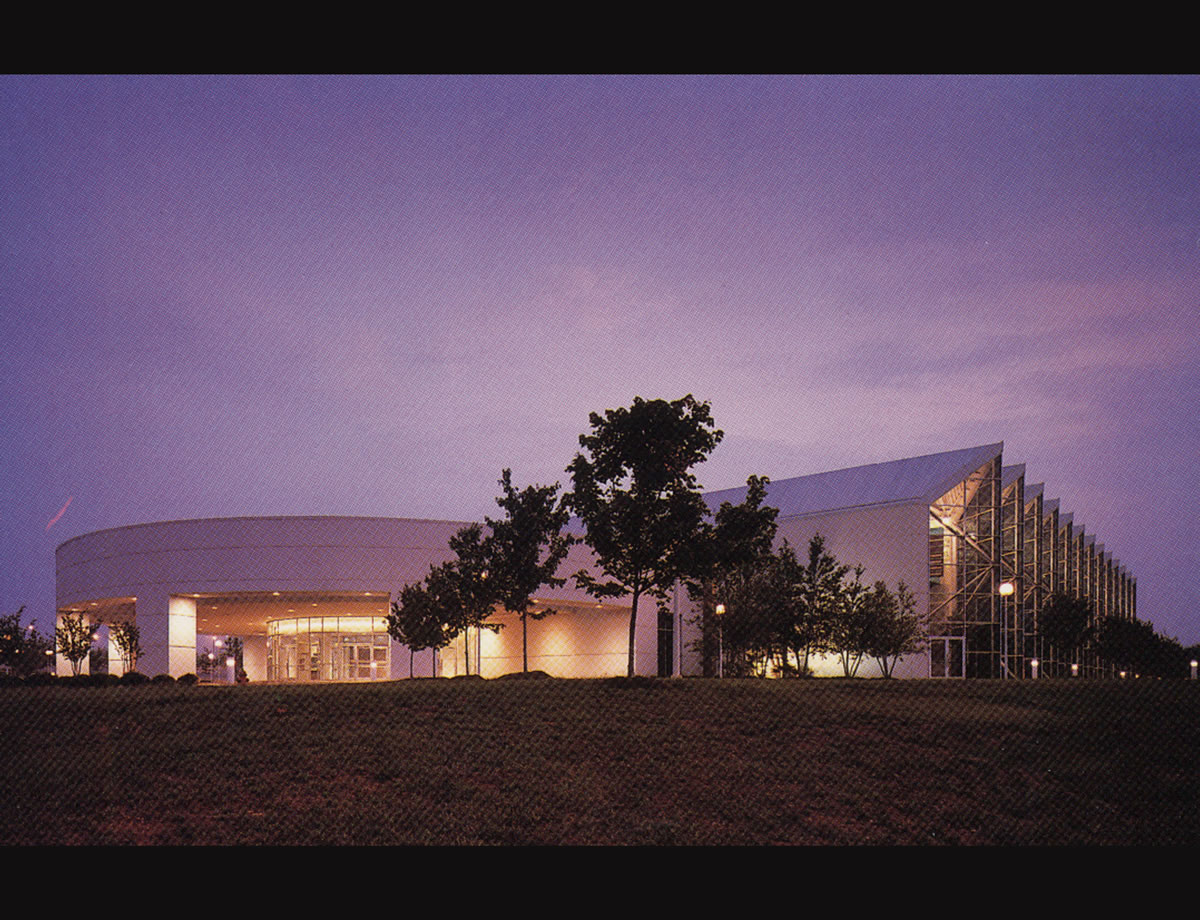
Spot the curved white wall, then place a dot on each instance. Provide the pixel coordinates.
(163, 564)
(157, 563)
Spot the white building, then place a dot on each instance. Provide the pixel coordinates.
(308, 595)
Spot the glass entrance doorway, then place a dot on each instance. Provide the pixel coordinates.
(310, 649)
(946, 656)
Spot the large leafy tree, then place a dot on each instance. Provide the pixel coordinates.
(639, 502)
(525, 549)
(22, 648)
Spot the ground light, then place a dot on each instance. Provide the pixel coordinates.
(1194, 664)
(1033, 667)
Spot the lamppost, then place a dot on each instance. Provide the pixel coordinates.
(1195, 663)
(1033, 667)
(1006, 590)
(720, 612)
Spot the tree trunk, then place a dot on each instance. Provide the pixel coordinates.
(524, 643)
(632, 630)
(411, 653)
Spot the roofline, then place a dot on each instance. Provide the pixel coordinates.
(259, 517)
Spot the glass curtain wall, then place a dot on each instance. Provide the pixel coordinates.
(307, 649)
(964, 569)
(1013, 627)
(1034, 580)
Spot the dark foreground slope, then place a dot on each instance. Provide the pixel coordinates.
(593, 762)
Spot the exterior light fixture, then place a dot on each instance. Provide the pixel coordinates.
(1074, 670)
(719, 610)
(1195, 663)
(1006, 590)
(1122, 675)
(1033, 666)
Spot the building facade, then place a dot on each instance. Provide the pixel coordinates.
(307, 596)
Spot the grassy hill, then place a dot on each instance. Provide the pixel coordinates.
(597, 762)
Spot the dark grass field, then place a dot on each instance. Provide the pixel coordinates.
(604, 762)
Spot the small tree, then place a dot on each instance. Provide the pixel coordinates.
(22, 648)
(817, 598)
(127, 637)
(205, 665)
(894, 629)
(73, 639)
(525, 549)
(1065, 624)
(638, 500)
(463, 588)
(850, 629)
(419, 620)
(727, 565)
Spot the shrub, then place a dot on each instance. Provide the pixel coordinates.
(162, 679)
(41, 679)
(525, 675)
(188, 679)
(133, 678)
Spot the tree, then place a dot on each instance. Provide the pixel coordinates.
(758, 614)
(454, 597)
(464, 588)
(205, 665)
(127, 638)
(894, 628)
(420, 621)
(850, 628)
(1134, 646)
(637, 498)
(73, 639)
(525, 549)
(816, 603)
(1065, 624)
(727, 563)
(234, 650)
(22, 648)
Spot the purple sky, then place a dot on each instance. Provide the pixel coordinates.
(235, 296)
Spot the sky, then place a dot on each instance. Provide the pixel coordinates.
(225, 296)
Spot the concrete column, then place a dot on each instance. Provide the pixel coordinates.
(116, 665)
(254, 657)
(168, 631)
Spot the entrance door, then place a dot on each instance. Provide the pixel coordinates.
(946, 656)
